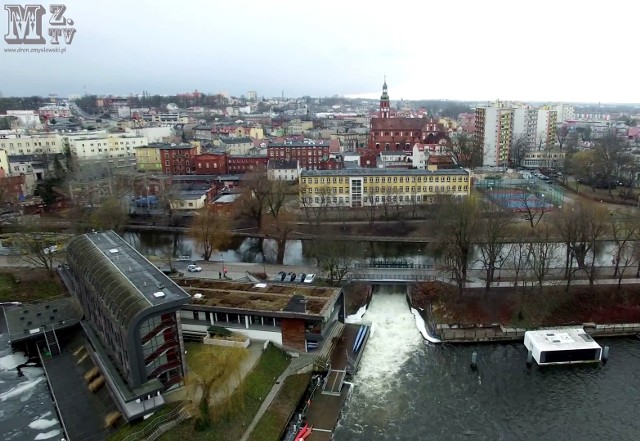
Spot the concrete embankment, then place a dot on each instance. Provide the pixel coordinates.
(455, 333)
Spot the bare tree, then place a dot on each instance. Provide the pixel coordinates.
(38, 247)
(518, 260)
(315, 207)
(491, 234)
(624, 231)
(541, 251)
(465, 151)
(279, 226)
(458, 229)
(533, 207)
(520, 146)
(256, 189)
(562, 132)
(336, 259)
(210, 231)
(610, 157)
(581, 229)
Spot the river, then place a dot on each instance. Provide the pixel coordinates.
(27, 411)
(407, 389)
(298, 252)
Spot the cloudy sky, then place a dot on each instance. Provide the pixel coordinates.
(558, 50)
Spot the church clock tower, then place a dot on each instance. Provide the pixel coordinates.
(384, 101)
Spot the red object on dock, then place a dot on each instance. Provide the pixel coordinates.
(302, 432)
(307, 433)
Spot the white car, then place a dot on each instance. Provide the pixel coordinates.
(309, 278)
(194, 269)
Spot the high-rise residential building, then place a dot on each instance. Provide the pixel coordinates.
(546, 128)
(494, 133)
(565, 112)
(252, 95)
(525, 120)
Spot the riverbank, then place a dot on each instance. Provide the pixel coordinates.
(502, 314)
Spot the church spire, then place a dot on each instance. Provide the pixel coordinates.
(384, 100)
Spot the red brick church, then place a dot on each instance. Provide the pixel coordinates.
(391, 133)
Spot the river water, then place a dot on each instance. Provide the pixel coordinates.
(298, 252)
(27, 411)
(407, 389)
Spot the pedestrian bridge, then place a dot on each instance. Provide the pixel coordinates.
(390, 277)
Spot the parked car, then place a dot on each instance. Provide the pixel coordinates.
(293, 277)
(301, 277)
(309, 278)
(280, 276)
(194, 269)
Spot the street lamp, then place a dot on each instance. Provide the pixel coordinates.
(222, 263)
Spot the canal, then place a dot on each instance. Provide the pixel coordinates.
(407, 389)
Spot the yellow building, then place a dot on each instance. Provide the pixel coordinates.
(148, 158)
(543, 159)
(375, 186)
(255, 132)
(32, 145)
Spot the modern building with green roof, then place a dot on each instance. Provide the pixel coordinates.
(130, 320)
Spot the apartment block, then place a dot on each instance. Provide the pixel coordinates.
(494, 132)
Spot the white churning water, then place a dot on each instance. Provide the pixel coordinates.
(394, 339)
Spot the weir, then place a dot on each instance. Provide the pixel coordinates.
(393, 338)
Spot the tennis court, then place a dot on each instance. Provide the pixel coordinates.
(518, 199)
(521, 194)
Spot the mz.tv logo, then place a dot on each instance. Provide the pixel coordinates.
(25, 25)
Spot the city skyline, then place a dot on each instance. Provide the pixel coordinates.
(340, 49)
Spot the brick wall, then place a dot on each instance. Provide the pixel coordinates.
(293, 334)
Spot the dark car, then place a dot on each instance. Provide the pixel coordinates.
(606, 184)
(301, 277)
(281, 275)
(293, 277)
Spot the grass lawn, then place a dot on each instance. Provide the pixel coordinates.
(27, 285)
(213, 364)
(232, 416)
(274, 421)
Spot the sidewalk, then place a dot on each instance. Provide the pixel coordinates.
(267, 402)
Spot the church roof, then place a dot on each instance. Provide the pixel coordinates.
(397, 123)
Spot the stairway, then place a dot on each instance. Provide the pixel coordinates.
(323, 357)
(183, 415)
(52, 341)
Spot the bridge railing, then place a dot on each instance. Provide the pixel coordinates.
(392, 265)
(391, 277)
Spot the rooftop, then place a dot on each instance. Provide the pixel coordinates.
(561, 339)
(283, 299)
(305, 144)
(128, 281)
(166, 146)
(383, 172)
(282, 164)
(236, 140)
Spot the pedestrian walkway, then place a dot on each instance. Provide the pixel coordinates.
(266, 403)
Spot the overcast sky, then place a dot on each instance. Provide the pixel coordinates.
(558, 50)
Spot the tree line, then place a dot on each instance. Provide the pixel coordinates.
(529, 251)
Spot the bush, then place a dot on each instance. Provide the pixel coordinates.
(218, 330)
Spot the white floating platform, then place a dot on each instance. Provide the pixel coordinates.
(562, 346)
